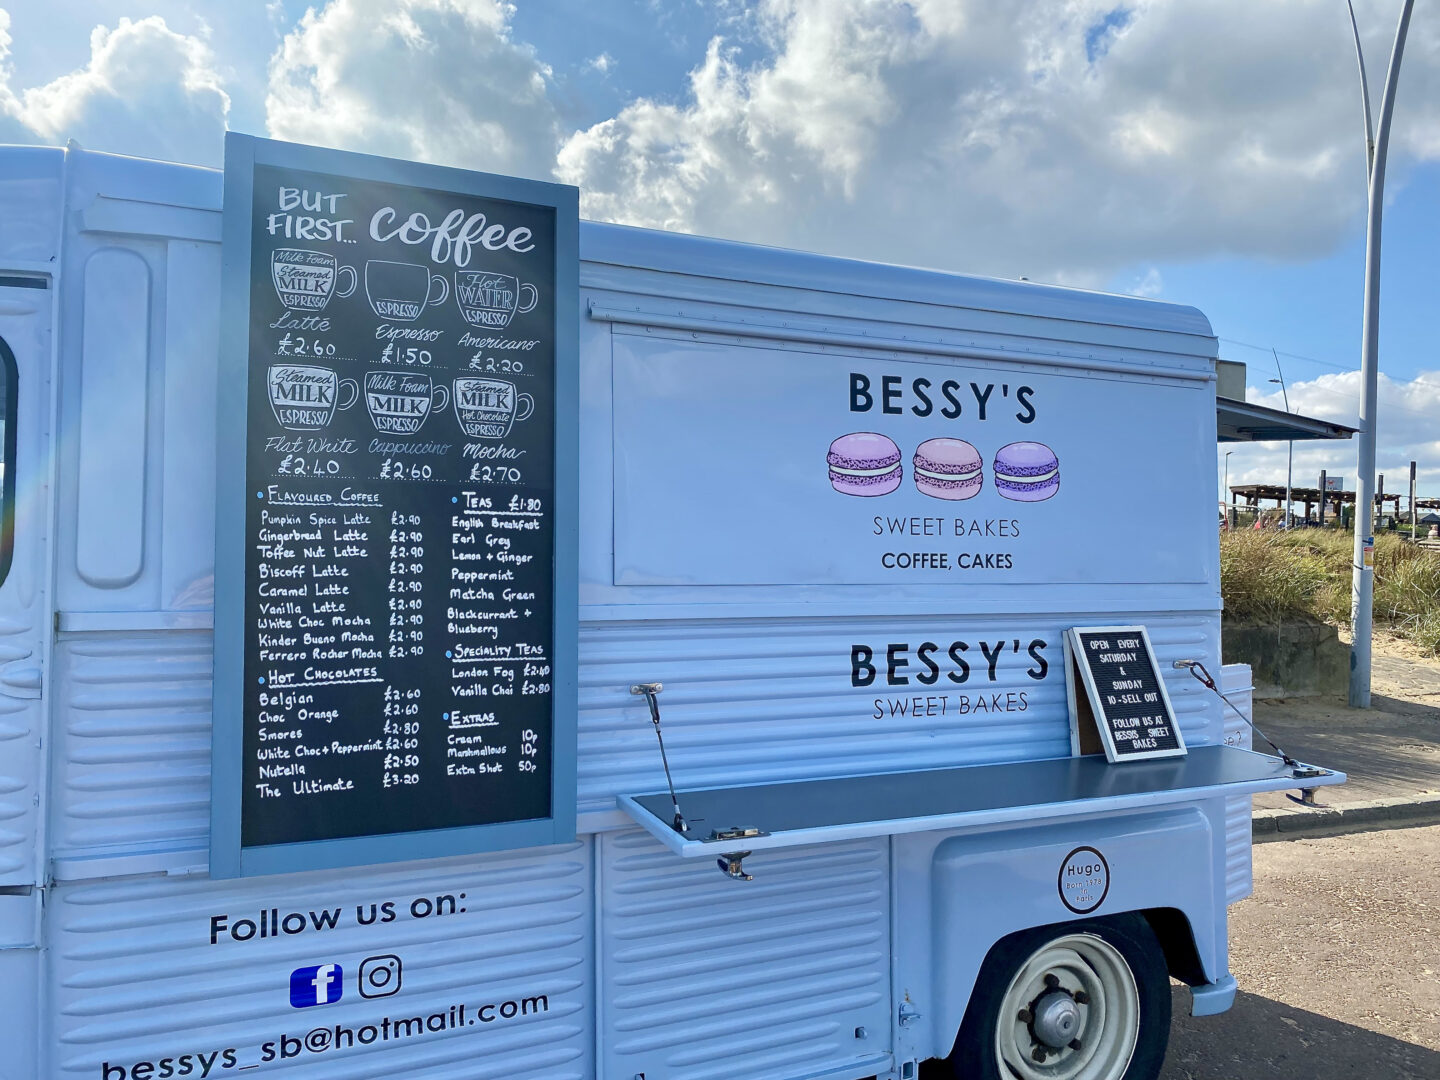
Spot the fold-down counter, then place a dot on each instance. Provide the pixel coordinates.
(764, 816)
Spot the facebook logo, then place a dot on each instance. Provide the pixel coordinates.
(316, 985)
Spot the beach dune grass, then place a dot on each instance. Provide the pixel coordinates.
(1274, 574)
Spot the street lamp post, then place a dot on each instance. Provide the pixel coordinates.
(1362, 591)
(1290, 443)
(1225, 494)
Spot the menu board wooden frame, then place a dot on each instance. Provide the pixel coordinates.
(228, 858)
(1090, 728)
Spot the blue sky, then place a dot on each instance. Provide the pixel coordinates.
(1310, 310)
(1203, 151)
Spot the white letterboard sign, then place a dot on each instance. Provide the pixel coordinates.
(1119, 699)
(395, 569)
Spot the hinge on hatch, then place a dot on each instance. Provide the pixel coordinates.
(734, 834)
(732, 863)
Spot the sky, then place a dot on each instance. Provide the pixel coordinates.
(1208, 152)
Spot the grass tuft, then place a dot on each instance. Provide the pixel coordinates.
(1274, 574)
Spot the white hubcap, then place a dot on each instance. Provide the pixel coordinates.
(1072, 1012)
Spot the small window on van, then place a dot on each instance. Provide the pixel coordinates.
(9, 377)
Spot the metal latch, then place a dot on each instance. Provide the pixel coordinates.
(731, 865)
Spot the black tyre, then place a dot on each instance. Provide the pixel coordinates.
(1088, 1000)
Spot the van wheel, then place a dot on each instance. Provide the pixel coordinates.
(1088, 1000)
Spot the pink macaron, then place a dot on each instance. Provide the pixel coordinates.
(864, 463)
(948, 469)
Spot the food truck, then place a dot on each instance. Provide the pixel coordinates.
(443, 638)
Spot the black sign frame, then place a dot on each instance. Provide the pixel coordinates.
(229, 857)
(1092, 728)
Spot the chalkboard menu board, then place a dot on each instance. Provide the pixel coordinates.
(395, 579)
(1118, 703)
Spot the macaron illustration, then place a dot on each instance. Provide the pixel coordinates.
(948, 469)
(864, 463)
(1027, 472)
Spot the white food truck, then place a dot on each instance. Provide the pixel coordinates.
(442, 639)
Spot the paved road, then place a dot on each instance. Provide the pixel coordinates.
(1389, 751)
(1338, 959)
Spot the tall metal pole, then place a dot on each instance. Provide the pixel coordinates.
(1229, 523)
(1290, 444)
(1364, 94)
(1362, 588)
(1413, 523)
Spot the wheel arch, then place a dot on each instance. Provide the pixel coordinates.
(980, 891)
(1117, 917)
(1177, 939)
(1169, 926)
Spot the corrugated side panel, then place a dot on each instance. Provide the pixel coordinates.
(133, 759)
(135, 979)
(752, 701)
(745, 701)
(704, 978)
(1235, 682)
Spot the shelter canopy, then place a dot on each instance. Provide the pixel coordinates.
(1242, 421)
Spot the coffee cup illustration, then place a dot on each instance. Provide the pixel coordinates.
(399, 290)
(305, 397)
(492, 300)
(401, 401)
(305, 280)
(489, 408)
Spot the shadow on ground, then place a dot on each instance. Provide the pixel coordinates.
(1262, 1038)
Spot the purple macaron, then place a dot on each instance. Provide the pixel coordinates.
(948, 469)
(864, 463)
(1027, 472)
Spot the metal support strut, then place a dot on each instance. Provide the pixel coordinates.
(650, 691)
(1298, 769)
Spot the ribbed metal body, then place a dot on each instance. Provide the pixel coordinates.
(1236, 686)
(110, 955)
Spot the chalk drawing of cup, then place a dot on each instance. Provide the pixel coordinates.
(492, 300)
(489, 408)
(306, 397)
(401, 401)
(305, 280)
(401, 291)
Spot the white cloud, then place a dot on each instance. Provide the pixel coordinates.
(1407, 432)
(146, 91)
(1056, 140)
(429, 80)
(1152, 283)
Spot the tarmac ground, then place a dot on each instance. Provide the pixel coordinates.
(1338, 958)
(1390, 752)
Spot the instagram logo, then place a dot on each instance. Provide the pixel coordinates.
(380, 976)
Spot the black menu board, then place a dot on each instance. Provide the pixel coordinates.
(395, 601)
(1119, 703)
